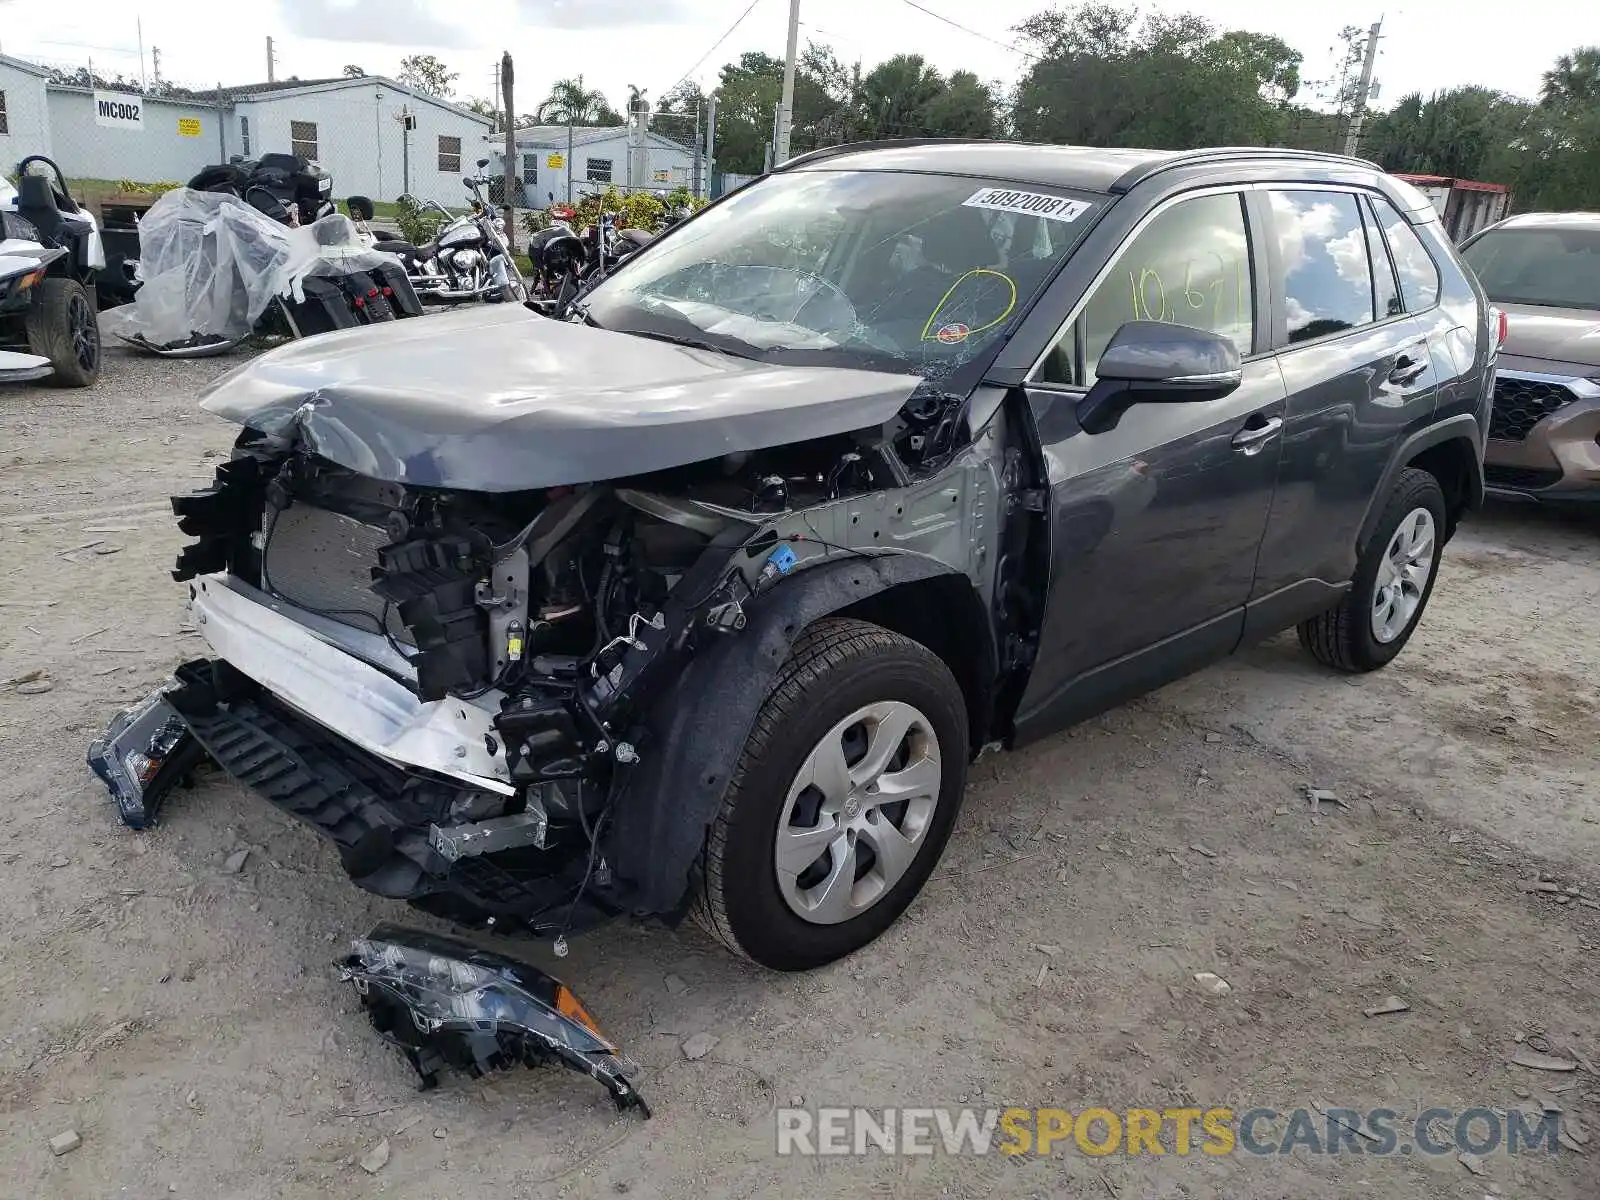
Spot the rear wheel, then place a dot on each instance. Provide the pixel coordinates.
(842, 801)
(1393, 581)
(63, 327)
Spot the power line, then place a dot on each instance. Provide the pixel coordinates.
(749, 8)
(957, 25)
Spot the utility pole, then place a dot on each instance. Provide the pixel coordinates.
(569, 160)
(711, 143)
(405, 148)
(780, 152)
(144, 83)
(272, 62)
(1358, 106)
(699, 174)
(507, 79)
(155, 64)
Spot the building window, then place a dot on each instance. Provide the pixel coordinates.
(530, 170)
(597, 170)
(449, 154)
(244, 136)
(5, 124)
(303, 138)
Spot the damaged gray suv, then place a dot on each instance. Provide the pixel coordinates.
(702, 597)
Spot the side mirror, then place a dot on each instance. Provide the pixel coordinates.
(482, 163)
(1157, 362)
(360, 208)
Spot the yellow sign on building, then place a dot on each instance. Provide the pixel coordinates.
(556, 161)
(188, 126)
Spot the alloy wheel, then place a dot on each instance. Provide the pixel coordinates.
(857, 812)
(85, 333)
(1403, 576)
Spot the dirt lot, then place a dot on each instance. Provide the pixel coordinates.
(184, 1020)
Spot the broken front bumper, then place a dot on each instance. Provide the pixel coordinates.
(300, 660)
(294, 708)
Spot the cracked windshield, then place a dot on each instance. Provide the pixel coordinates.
(900, 272)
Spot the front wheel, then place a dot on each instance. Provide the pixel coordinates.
(1393, 581)
(842, 801)
(63, 327)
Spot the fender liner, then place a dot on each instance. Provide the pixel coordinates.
(700, 725)
(1461, 426)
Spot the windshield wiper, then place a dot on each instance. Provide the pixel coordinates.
(691, 342)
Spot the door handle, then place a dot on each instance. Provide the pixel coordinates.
(1251, 438)
(1407, 369)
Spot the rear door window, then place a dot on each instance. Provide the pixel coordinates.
(1419, 274)
(1327, 276)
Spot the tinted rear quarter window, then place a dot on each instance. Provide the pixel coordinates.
(1419, 274)
(1327, 284)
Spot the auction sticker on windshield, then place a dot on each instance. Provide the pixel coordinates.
(1032, 204)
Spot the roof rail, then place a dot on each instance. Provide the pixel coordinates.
(818, 155)
(1186, 158)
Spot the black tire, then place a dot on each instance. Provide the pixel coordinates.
(1342, 637)
(62, 326)
(836, 667)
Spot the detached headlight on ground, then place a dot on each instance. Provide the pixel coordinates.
(447, 1003)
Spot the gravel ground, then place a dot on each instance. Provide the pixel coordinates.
(183, 1020)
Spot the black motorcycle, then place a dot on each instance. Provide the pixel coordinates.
(468, 259)
(255, 247)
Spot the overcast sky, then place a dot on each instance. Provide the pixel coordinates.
(1427, 44)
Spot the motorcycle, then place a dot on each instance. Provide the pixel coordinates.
(254, 247)
(468, 259)
(50, 252)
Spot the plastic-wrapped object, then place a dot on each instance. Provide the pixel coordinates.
(210, 265)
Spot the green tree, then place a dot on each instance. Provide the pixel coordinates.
(571, 103)
(427, 74)
(351, 71)
(1465, 132)
(1103, 76)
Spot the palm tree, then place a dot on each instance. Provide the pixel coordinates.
(570, 103)
(1574, 82)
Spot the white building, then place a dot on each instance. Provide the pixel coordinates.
(374, 136)
(24, 126)
(594, 159)
(168, 142)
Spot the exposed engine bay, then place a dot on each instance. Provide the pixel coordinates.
(523, 642)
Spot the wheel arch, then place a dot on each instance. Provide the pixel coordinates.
(699, 726)
(1452, 452)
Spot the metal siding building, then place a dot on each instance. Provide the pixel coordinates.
(599, 159)
(26, 125)
(356, 130)
(178, 138)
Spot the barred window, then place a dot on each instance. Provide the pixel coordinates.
(5, 124)
(449, 154)
(530, 169)
(303, 138)
(597, 170)
(244, 136)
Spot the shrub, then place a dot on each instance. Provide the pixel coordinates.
(417, 225)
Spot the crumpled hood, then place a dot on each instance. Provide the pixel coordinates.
(498, 399)
(1562, 335)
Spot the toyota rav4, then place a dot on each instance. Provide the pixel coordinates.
(702, 597)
